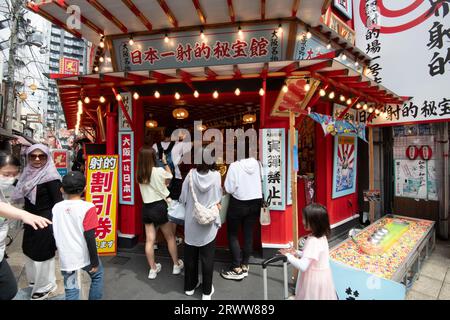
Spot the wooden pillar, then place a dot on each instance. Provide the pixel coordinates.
(371, 176)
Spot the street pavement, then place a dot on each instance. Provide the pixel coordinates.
(126, 277)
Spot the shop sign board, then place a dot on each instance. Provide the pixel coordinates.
(128, 104)
(423, 57)
(17, 126)
(416, 179)
(36, 118)
(102, 176)
(340, 27)
(345, 7)
(126, 174)
(273, 146)
(222, 46)
(61, 160)
(344, 165)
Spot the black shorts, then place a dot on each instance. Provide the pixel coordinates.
(155, 212)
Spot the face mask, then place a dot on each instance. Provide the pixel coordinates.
(6, 182)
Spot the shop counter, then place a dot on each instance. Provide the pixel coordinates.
(392, 248)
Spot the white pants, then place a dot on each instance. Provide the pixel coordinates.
(42, 274)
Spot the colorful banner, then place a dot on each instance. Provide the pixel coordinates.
(102, 176)
(356, 284)
(421, 27)
(126, 158)
(128, 104)
(61, 160)
(274, 178)
(69, 66)
(344, 165)
(224, 46)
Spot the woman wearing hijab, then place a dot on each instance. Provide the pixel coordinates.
(40, 185)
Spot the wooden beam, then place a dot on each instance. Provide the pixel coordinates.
(349, 80)
(64, 6)
(200, 12)
(210, 73)
(334, 73)
(364, 84)
(231, 11)
(290, 67)
(295, 6)
(138, 13)
(263, 9)
(318, 66)
(108, 15)
(265, 70)
(168, 12)
(135, 77)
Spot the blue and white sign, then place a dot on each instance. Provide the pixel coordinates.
(356, 284)
(274, 178)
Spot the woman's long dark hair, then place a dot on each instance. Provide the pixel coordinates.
(316, 218)
(8, 159)
(145, 164)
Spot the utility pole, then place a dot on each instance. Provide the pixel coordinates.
(16, 13)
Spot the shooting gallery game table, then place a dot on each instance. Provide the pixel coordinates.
(400, 260)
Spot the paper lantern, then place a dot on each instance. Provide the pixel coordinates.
(151, 124)
(180, 113)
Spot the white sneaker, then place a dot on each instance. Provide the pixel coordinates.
(191, 292)
(155, 247)
(153, 273)
(208, 296)
(177, 268)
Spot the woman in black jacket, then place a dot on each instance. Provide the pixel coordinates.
(40, 185)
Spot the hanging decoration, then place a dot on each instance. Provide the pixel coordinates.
(180, 113)
(339, 127)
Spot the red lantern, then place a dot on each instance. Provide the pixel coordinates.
(426, 152)
(412, 152)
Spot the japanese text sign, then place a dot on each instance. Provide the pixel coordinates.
(274, 172)
(102, 172)
(128, 104)
(258, 43)
(126, 158)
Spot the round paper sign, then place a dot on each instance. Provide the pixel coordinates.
(412, 152)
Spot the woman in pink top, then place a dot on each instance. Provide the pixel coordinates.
(315, 281)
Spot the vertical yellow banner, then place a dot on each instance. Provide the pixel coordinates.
(101, 190)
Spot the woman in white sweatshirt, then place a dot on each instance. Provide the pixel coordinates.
(243, 183)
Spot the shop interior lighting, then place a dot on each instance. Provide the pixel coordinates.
(349, 101)
(215, 94)
(131, 42)
(237, 92)
(177, 96)
(344, 57)
(308, 34)
(280, 29)
(285, 89)
(240, 33)
(307, 87)
(102, 42)
(377, 111)
(331, 95)
(101, 59)
(157, 95)
(102, 99)
(136, 96)
(329, 45)
(202, 35)
(356, 63)
(358, 106)
(87, 100)
(119, 97)
(322, 92)
(370, 110)
(196, 94)
(342, 98)
(365, 106)
(261, 92)
(166, 38)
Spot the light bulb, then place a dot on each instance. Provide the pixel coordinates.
(358, 106)
(101, 59)
(370, 110)
(87, 100)
(177, 96)
(80, 105)
(96, 69)
(349, 101)
(344, 57)
(202, 35)
(280, 29)
(196, 94)
(157, 95)
(261, 92)
(342, 98)
(322, 92)
(308, 35)
(166, 39)
(136, 96)
(365, 106)
(377, 111)
(131, 42)
(240, 33)
(329, 46)
(215, 94)
(118, 97)
(307, 87)
(237, 91)
(285, 89)
(102, 99)
(102, 44)
(108, 59)
(356, 63)
(331, 95)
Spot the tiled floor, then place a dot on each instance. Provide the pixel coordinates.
(434, 278)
